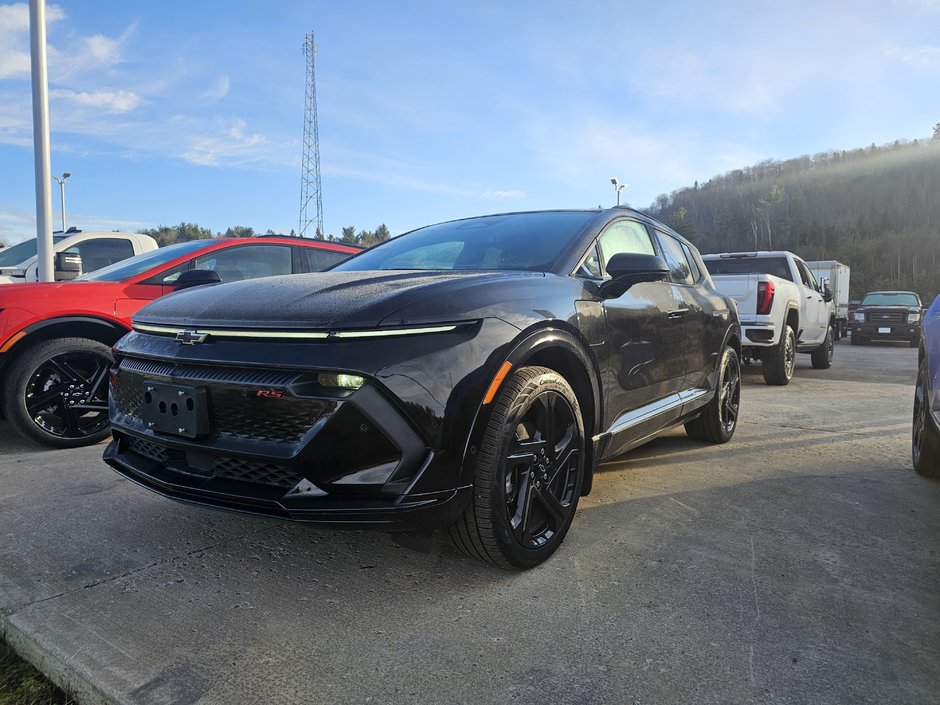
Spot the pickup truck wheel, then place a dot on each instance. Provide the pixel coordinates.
(925, 436)
(822, 356)
(720, 417)
(58, 392)
(778, 365)
(528, 473)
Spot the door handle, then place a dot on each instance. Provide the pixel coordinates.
(677, 313)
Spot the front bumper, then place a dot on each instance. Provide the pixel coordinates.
(274, 441)
(886, 331)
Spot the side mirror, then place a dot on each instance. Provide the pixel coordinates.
(827, 291)
(627, 269)
(196, 277)
(68, 265)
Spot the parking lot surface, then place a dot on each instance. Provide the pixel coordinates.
(797, 564)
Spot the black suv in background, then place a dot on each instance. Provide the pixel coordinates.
(887, 315)
(468, 375)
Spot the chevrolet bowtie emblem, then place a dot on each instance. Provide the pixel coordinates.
(191, 337)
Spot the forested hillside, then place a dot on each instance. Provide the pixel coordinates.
(875, 209)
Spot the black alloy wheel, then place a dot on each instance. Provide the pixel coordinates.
(528, 474)
(57, 392)
(925, 436)
(719, 420)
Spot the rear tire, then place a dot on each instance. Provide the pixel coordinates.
(720, 418)
(528, 473)
(778, 365)
(822, 356)
(925, 436)
(57, 392)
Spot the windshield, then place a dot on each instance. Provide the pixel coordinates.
(12, 256)
(127, 268)
(526, 241)
(891, 298)
(775, 266)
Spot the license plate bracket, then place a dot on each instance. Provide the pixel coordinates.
(176, 409)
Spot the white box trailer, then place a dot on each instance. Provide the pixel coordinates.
(838, 276)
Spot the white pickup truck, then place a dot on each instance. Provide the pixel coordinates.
(783, 309)
(74, 252)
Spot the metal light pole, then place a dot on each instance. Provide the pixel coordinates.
(61, 182)
(40, 76)
(618, 187)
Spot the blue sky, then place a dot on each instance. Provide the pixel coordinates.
(169, 112)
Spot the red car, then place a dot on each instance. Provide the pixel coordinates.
(56, 338)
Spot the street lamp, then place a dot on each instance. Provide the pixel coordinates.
(61, 181)
(618, 187)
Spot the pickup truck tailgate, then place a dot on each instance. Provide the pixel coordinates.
(740, 287)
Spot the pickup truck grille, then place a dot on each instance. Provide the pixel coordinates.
(886, 316)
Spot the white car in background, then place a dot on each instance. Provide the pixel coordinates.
(75, 253)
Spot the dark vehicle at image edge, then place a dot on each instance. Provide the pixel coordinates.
(887, 315)
(925, 435)
(468, 375)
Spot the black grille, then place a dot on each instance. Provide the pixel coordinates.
(148, 449)
(886, 316)
(234, 411)
(258, 472)
(209, 373)
(223, 467)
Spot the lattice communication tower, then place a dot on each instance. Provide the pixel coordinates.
(310, 195)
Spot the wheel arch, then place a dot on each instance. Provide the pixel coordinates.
(792, 319)
(562, 351)
(105, 331)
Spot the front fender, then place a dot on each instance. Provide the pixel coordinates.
(553, 346)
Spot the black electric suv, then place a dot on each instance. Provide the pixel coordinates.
(467, 375)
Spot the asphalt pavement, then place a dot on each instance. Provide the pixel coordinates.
(796, 564)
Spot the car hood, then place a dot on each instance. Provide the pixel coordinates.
(34, 295)
(327, 300)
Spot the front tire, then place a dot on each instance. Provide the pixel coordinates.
(822, 356)
(720, 418)
(925, 436)
(528, 473)
(57, 392)
(778, 366)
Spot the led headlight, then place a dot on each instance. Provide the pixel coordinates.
(340, 380)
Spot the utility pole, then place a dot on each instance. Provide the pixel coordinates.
(310, 195)
(41, 165)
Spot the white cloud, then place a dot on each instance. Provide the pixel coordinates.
(233, 147)
(918, 55)
(14, 38)
(107, 101)
(511, 193)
